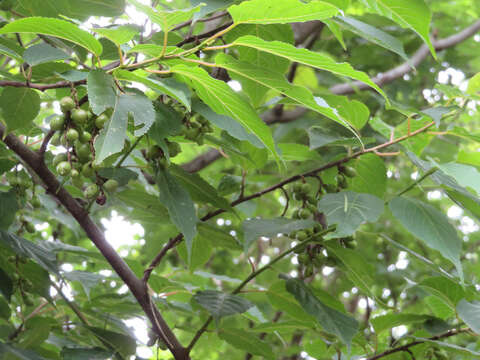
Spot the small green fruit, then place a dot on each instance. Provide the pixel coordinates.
(174, 149)
(297, 188)
(59, 158)
(349, 171)
(154, 152)
(304, 214)
(57, 123)
(72, 135)
(64, 168)
(330, 188)
(67, 104)
(27, 299)
(302, 235)
(85, 137)
(87, 170)
(30, 227)
(79, 116)
(74, 173)
(35, 202)
(101, 121)
(83, 152)
(303, 259)
(56, 141)
(306, 188)
(91, 191)
(111, 185)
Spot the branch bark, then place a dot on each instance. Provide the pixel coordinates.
(137, 287)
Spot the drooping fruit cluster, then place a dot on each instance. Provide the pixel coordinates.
(196, 128)
(75, 131)
(23, 285)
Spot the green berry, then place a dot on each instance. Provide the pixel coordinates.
(67, 104)
(306, 188)
(91, 191)
(72, 135)
(27, 299)
(74, 173)
(35, 202)
(302, 235)
(297, 188)
(83, 152)
(174, 149)
(59, 158)
(330, 188)
(154, 152)
(111, 185)
(57, 123)
(55, 141)
(100, 121)
(308, 270)
(64, 168)
(79, 116)
(349, 171)
(85, 137)
(87, 170)
(30, 227)
(304, 214)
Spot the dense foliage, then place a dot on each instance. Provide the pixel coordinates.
(267, 179)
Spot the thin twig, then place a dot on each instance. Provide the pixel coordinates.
(45, 142)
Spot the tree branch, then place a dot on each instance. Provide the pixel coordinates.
(136, 286)
(406, 347)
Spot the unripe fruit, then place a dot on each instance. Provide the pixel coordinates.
(30, 227)
(74, 173)
(27, 299)
(330, 188)
(85, 137)
(83, 152)
(35, 202)
(349, 171)
(308, 270)
(67, 104)
(59, 158)
(304, 214)
(297, 188)
(91, 191)
(305, 188)
(302, 235)
(111, 185)
(303, 259)
(174, 149)
(87, 170)
(100, 121)
(153, 152)
(79, 116)
(57, 123)
(55, 141)
(64, 168)
(72, 135)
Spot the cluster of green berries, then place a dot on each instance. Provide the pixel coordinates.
(74, 131)
(195, 130)
(24, 286)
(344, 172)
(302, 192)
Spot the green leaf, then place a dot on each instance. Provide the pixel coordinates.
(220, 304)
(119, 34)
(225, 123)
(371, 175)
(199, 189)
(217, 237)
(449, 291)
(19, 353)
(353, 111)
(201, 252)
(449, 346)
(28, 249)
(120, 343)
(474, 84)
(356, 268)
(278, 83)
(6, 285)
(465, 175)
(224, 101)
(54, 27)
(5, 311)
(321, 136)
(372, 34)
(412, 14)
(348, 210)
(179, 204)
(429, 225)
(101, 89)
(112, 137)
(8, 208)
(283, 326)
(43, 53)
(168, 86)
(19, 106)
(470, 313)
(122, 175)
(254, 228)
(386, 322)
(246, 341)
(307, 57)
(280, 12)
(168, 122)
(87, 279)
(333, 321)
(166, 19)
(298, 152)
(85, 353)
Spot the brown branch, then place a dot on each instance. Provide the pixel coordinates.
(136, 286)
(189, 22)
(406, 347)
(204, 35)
